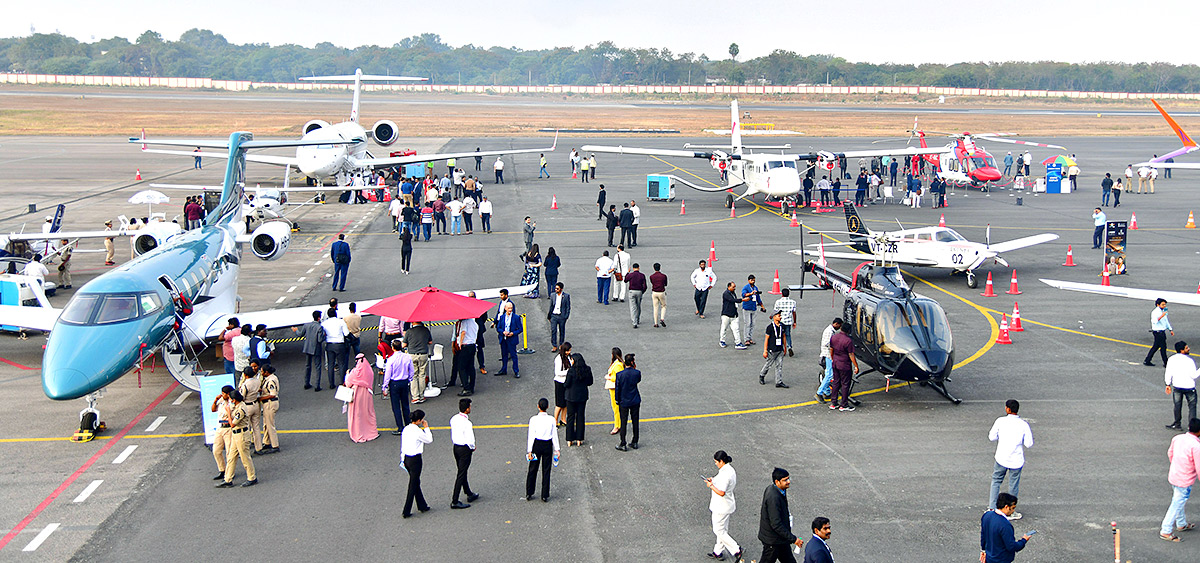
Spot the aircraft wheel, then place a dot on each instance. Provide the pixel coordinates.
(728, 201)
(923, 383)
(971, 281)
(309, 181)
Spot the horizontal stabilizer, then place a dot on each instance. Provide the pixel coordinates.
(1181, 297)
(1023, 242)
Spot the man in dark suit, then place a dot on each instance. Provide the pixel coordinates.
(625, 221)
(339, 253)
(817, 550)
(560, 311)
(611, 222)
(601, 197)
(775, 521)
(508, 325)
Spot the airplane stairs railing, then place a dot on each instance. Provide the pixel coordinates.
(182, 360)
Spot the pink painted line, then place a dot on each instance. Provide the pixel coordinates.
(334, 237)
(15, 364)
(78, 472)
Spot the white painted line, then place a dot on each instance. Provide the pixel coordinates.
(310, 270)
(280, 300)
(41, 537)
(302, 278)
(291, 289)
(182, 397)
(124, 455)
(87, 492)
(316, 263)
(154, 425)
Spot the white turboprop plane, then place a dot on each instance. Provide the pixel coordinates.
(346, 158)
(933, 247)
(774, 175)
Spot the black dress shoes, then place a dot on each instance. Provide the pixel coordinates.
(250, 483)
(633, 445)
(460, 504)
(222, 475)
(622, 449)
(472, 497)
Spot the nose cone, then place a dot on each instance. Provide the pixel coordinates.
(924, 364)
(987, 174)
(65, 383)
(82, 359)
(782, 182)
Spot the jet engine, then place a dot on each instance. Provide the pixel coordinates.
(385, 132)
(270, 240)
(153, 236)
(314, 125)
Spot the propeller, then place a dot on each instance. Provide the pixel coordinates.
(996, 137)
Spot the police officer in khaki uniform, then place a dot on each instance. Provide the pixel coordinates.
(110, 251)
(223, 407)
(250, 389)
(239, 443)
(268, 400)
(64, 267)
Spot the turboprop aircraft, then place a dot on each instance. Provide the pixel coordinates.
(933, 247)
(773, 175)
(964, 163)
(344, 155)
(173, 297)
(1188, 146)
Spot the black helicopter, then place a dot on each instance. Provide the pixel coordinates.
(897, 332)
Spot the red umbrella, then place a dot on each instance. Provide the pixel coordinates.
(429, 304)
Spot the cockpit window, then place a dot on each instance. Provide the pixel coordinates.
(949, 236)
(117, 308)
(773, 164)
(80, 309)
(149, 302)
(91, 309)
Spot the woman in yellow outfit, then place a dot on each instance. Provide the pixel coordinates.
(610, 383)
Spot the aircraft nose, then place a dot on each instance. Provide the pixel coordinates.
(65, 383)
(82, 359)
(987, 174)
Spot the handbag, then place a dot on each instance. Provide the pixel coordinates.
(619, 276)
(344, 394)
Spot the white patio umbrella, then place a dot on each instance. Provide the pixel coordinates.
(149, 197)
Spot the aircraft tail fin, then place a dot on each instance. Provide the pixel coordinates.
(735, 128)
(56, 223)
(1183, 136)
(229, 210)
(357, 79)
(854, 223)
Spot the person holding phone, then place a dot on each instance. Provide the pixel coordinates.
(412, 445)
(722, 504)
(996, 541)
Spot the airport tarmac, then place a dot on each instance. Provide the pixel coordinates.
(903, 478)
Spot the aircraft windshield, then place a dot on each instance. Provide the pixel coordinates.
(905, 327)
(106, 309)
(773, 164)
(949, 236)
(981, 162)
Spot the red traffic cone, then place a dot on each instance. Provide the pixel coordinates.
(732, 210)
(988, 291)
(775, 285)
(1104, 278)
(942, 221)
(794, 222)
(1016, 317)
(553, 202)
(682, 207)
(1191, 223)
(1133, 222)
(1198, 290)
(574, 175)
(1003, 338)
(1070, 257)
(139, 174)
(712, 252)
(1012, 286)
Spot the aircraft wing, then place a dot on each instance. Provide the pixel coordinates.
(1182, 297)
(259, 158)
(194, 188)
(864, 256)
(384, 162)
(296, 316)
(646, 152)
(35, 318)
(1022, 242)
(64, 235)
(908, 151)
(1180, 165)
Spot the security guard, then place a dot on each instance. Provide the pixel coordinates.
(221, 405)
(268, 400)
(250, 389)
(239, 443)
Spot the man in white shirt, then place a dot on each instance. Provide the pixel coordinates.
(412, 445)
(621, 263)
(462, 433)
(36, 269)
(466, 333)
(825, 389)
(1143, 177)
(1129, 178)
(637, 219)
(1028, 161)
(485, 215)
(541, 448)
(394, 210)
(1153, 176)
(875, 181)
(703, 279)
(1180, 379)
(336, 353)
(455, 207)
(499, 168)
(604, 270)
(1012, 435)
(1099, 220)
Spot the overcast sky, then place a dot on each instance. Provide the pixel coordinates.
(860, 30)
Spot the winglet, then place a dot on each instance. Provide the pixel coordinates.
(1183, 136)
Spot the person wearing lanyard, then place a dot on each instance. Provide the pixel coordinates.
(773, 347)
(541, 444)
(1160, 325)
(462, 433)
(412, 445)
(1181, 382)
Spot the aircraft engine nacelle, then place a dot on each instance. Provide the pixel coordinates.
(314, 125)
(270, 241)
(153, 236)
(384, 132)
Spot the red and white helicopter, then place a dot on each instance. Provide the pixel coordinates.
(967, 163)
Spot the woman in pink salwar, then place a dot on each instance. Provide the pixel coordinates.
(360, 412)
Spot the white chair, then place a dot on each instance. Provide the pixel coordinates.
(437, 357)
(887, 194)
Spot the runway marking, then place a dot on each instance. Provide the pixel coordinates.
(301, 280)
(41, 537)
(182, 397)
(291, 289)
(154, 425)
(124, 455)
(86, 465)
(15, 364)
(280, 300)
(87, 491)
(310, 270)
(317, 263)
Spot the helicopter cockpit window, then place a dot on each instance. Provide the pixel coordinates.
(982, 162)
(949, 236)
(895, 328)
(933, 319)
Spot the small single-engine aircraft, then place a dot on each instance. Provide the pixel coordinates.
(344, 156)
(175, 296)
(773, 175)
(1188, 146)
(964, 163)
(933, 247)
(899, 333)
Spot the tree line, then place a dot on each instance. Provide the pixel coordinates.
(203, 54)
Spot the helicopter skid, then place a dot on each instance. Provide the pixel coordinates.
(940, 387)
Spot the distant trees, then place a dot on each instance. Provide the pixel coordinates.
(203, 53)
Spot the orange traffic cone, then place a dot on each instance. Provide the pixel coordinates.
(794, 222)
(139, 174)
(1133, 222)
(1016, 317)
(1003, 338)
(732, 211)
(1104, 278)
(1191, 224)
(682, 207)
(942, 221)
(775, 285)
(1198, 290)
(553, 202)
(574, 175)
(712, 253)
(988, 291)
(1012, 286)
(1070, 257)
